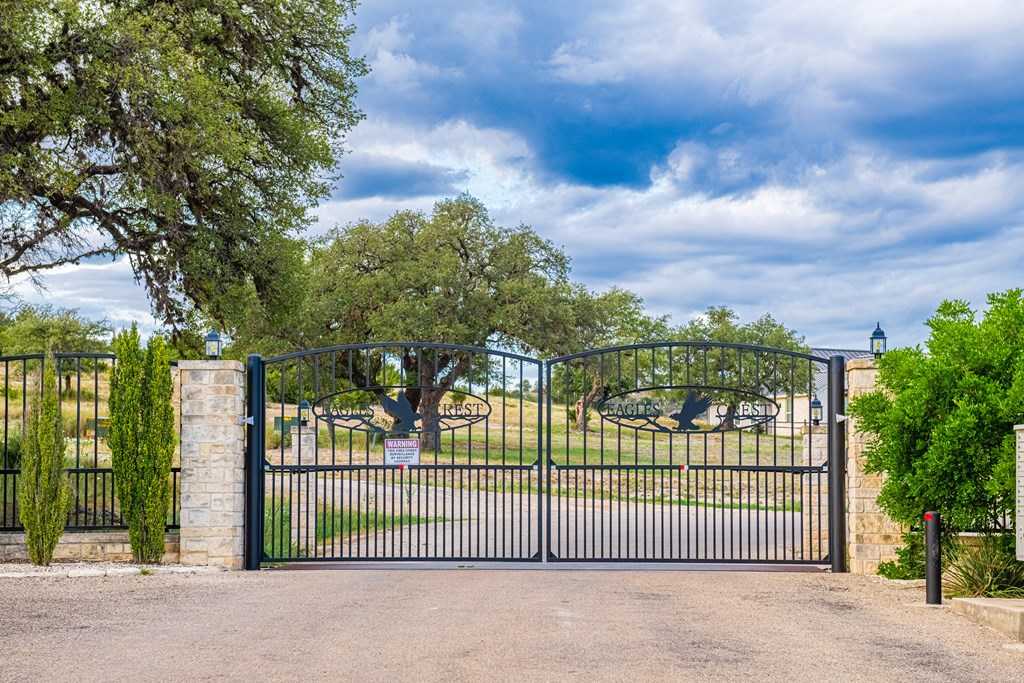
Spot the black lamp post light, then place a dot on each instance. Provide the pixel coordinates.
(304, 410)
(213, 345)
(816, 411)
(878, 340)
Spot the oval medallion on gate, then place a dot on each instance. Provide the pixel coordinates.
(690, 409)
(389, 410)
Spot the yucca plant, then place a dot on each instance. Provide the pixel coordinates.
(988, 569)
(44, 496)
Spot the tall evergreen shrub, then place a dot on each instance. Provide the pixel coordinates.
(44, 495)
(142, 439)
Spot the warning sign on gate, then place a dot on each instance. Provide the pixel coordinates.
(401, 451)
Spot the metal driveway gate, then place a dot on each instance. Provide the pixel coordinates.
(394, 451)
(693, 452)
(668, 452)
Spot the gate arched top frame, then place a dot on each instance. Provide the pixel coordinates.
(369, 346)
(699, 345)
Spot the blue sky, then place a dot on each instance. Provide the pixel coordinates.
(833, 165)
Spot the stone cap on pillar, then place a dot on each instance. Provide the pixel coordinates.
(861, 364)
(211, 365)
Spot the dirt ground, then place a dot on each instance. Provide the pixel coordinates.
(389, 625)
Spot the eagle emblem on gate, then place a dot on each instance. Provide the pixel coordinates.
(693, 406)
(402, 412)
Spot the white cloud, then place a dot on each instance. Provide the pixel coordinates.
(829, 237)
(866, 237)
(810, 55)
(486, 28)
(97, 290)
(392, 68)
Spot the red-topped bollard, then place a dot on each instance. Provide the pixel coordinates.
(933, 558)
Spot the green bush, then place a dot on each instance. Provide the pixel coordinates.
(988, 569)
(44, 497)
(274, 439)
(142, 439)
(942, 417)
(910, 559)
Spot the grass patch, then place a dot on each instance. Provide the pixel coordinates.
(330, 524)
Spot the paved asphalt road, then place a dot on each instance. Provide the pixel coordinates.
(489, 625)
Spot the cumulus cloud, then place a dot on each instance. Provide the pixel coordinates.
(869, 236)
(831, 164)
(104, 289)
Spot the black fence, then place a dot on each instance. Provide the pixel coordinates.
(84, 388)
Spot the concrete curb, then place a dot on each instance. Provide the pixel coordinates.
(79, 571)
(1002, 614)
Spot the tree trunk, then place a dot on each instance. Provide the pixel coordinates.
(729, 420)
(426, 396)
(596, 391)
(430, 437)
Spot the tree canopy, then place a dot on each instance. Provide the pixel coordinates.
(756, 372)
(943, 417)
(722, 324)
(452, 276)
(189, 136)
(37, 329)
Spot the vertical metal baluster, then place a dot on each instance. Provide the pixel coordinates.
(619, 470)
(600, 421)
(704, 473)
(6, 463)
(78, 433)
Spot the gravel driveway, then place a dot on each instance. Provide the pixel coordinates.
(388, 625)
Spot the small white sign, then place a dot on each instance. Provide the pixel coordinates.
(401, 451)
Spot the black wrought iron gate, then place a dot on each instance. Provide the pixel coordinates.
(692, 452)
(670, 452)
(397, 451)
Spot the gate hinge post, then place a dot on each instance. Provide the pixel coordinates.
(255, 456)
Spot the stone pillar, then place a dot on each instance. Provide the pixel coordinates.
(212, 463)
(814, 508)
(872, 537)
(306, 441)
(1020, 492)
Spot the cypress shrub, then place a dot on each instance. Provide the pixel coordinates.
(44, 496)
(142, 439)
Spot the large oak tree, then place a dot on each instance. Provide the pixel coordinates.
(450, 276)
(189, 135)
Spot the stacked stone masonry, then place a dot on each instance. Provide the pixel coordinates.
(872, 537)
(85, 546)
(814, 510)
(212, 463)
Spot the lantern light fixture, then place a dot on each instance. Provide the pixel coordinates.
(816, 410)
(304, 411)
(213, 345)
(878, 341)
